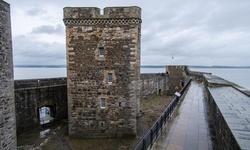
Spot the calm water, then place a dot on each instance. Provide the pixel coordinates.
(238, 76)
(35, 73)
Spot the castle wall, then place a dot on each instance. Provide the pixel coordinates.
(177, 78)
(153, 84)
(30, 95)
(7, 103)
(100, 47)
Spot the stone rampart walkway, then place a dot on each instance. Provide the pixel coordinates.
(189, 129)
(232, 111)
(235, 109)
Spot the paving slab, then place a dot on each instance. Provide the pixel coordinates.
(189, 130)
(238, 116)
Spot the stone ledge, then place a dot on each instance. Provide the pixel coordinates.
(228, 107)
(98, 21)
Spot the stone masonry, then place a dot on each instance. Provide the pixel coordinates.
(32, 94)
(177, 78)
(7, 103)
(153, 84)
(103, 70)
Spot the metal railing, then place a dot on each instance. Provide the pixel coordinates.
(154, 132)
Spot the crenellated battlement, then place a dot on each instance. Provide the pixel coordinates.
(111, 15)
(109, 12)
(123, 12)
(81, 12)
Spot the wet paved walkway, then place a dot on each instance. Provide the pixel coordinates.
(189, 130)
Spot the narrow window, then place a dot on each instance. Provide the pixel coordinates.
(102, 126)
(101, 52)
(109, 77)
(120, 104)
(103, 103)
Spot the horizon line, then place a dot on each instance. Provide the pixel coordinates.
(142, 66)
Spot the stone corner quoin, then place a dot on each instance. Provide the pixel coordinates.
(103, 70)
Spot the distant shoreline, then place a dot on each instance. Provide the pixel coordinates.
(143, 66)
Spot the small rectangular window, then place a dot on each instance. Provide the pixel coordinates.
(101, 52)
(109, 77)
(102, 126)
(102, 103)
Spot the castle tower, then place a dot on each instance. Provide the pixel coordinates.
(103, 70)
(7, 103)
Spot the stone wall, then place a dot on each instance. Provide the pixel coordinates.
(228, 106)
(153, 84)
(100, 48)
(33, 83)
(30, 95)
(177, 78)
(196, 74)
(223, 132)
(7, 103)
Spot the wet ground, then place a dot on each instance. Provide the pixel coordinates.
(56, 137)
(191, 127)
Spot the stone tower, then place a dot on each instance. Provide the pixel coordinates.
(7, 103)
(103, 70)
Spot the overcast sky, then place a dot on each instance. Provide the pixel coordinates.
(174, 32)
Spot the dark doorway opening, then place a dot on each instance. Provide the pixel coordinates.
(159, 91)
(182, 84)
(46, 114)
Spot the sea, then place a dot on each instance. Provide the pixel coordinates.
(239, 76)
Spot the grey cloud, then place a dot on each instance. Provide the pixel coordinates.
(230, 15)
(49, 29)
(36, 11)
(196, 32)
(27, 51)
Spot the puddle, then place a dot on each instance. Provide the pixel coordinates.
(46, 120)
(34, 136)
(45, 115)
(44, 132)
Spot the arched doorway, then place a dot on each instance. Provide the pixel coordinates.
(160, 92)
(46, 114)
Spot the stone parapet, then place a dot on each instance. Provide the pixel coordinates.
(230, 109)
(78, 16)
(109, 12)
(123, 12)
(153, 84)
(34, 83)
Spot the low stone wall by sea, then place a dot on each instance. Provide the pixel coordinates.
(230, 109)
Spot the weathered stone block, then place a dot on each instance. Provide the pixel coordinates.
(32, 94)
(177, 78)
(7, 103)
(103, 78)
